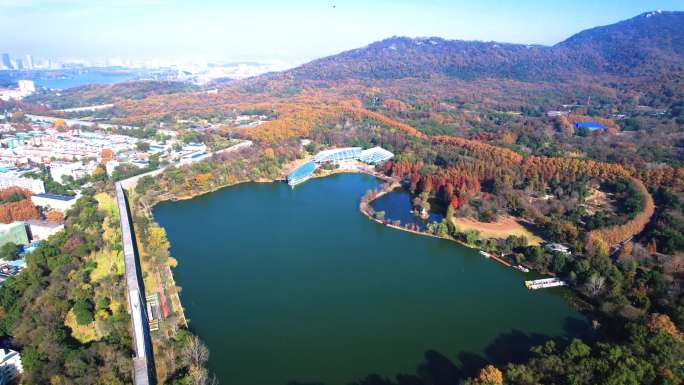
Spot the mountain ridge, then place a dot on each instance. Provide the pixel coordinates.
(648, 44)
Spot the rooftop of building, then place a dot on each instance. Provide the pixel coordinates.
(590, 125)
(64, 198)
(6, 354)
(43, 223)
(302, 171)
(7, 226)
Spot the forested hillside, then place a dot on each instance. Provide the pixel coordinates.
(94, 94)
(481, 130)
(649, 44)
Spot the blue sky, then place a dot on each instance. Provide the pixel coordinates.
(286, 30)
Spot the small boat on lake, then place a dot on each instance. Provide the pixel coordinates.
(544, 283)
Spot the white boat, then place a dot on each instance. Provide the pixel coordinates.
(544, 283)
(522, 268)
(485, 254)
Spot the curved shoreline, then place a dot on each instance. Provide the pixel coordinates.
(416, 232)
(364, 211)
(327, 173)
(165, 197)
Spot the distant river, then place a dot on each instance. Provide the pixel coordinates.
(295, 284)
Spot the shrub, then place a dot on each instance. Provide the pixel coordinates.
(83, 310)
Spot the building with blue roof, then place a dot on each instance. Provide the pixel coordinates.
(372, 156)
(337, 155)
(591, 126)
(301, 173)
(53, 201)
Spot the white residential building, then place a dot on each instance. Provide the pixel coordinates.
(75, 170)
(26, 87)
(35, 185)
(558, 248)
(53, 201)
(111, 165)
(41, 230)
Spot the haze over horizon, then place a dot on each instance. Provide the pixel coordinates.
(295, 31)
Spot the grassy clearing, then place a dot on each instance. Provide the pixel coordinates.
(107, 263)
(108, 260)
(83, 333)
(107, 203)
(499, 229)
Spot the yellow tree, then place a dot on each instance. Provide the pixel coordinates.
(663, 323)
(490, 375)
(59, 125)
(157, 243)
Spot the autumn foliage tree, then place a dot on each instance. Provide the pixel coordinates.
(490, 375)
(452, 185)
(54, 216)
(663, 323)
(14, 194)
(620, 233)
(17, 205)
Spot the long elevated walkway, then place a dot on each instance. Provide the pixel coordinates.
(143, 363)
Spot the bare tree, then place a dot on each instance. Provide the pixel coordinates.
(200, 376)
(595, 284)
(195, 351)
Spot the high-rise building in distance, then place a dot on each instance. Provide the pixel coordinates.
(27, 87)
(6, 61)
(29, 62)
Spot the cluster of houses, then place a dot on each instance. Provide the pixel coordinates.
(75, 148)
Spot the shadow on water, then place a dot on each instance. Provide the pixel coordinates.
(438, 369)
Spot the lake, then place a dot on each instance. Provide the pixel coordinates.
(397, 206)
(80, 79)
(290, 285)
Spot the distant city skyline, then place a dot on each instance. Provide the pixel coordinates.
(29, 61)
(292, 31)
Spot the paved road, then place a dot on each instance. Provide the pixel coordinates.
(142, 361)
(75, 122)
(88, 108)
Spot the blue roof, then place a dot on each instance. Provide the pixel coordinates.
(337, 154)
(302, 171)
(55, 196)
(590, 125)
(19, 263)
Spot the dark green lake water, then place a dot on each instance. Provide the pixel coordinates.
(296, 285)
